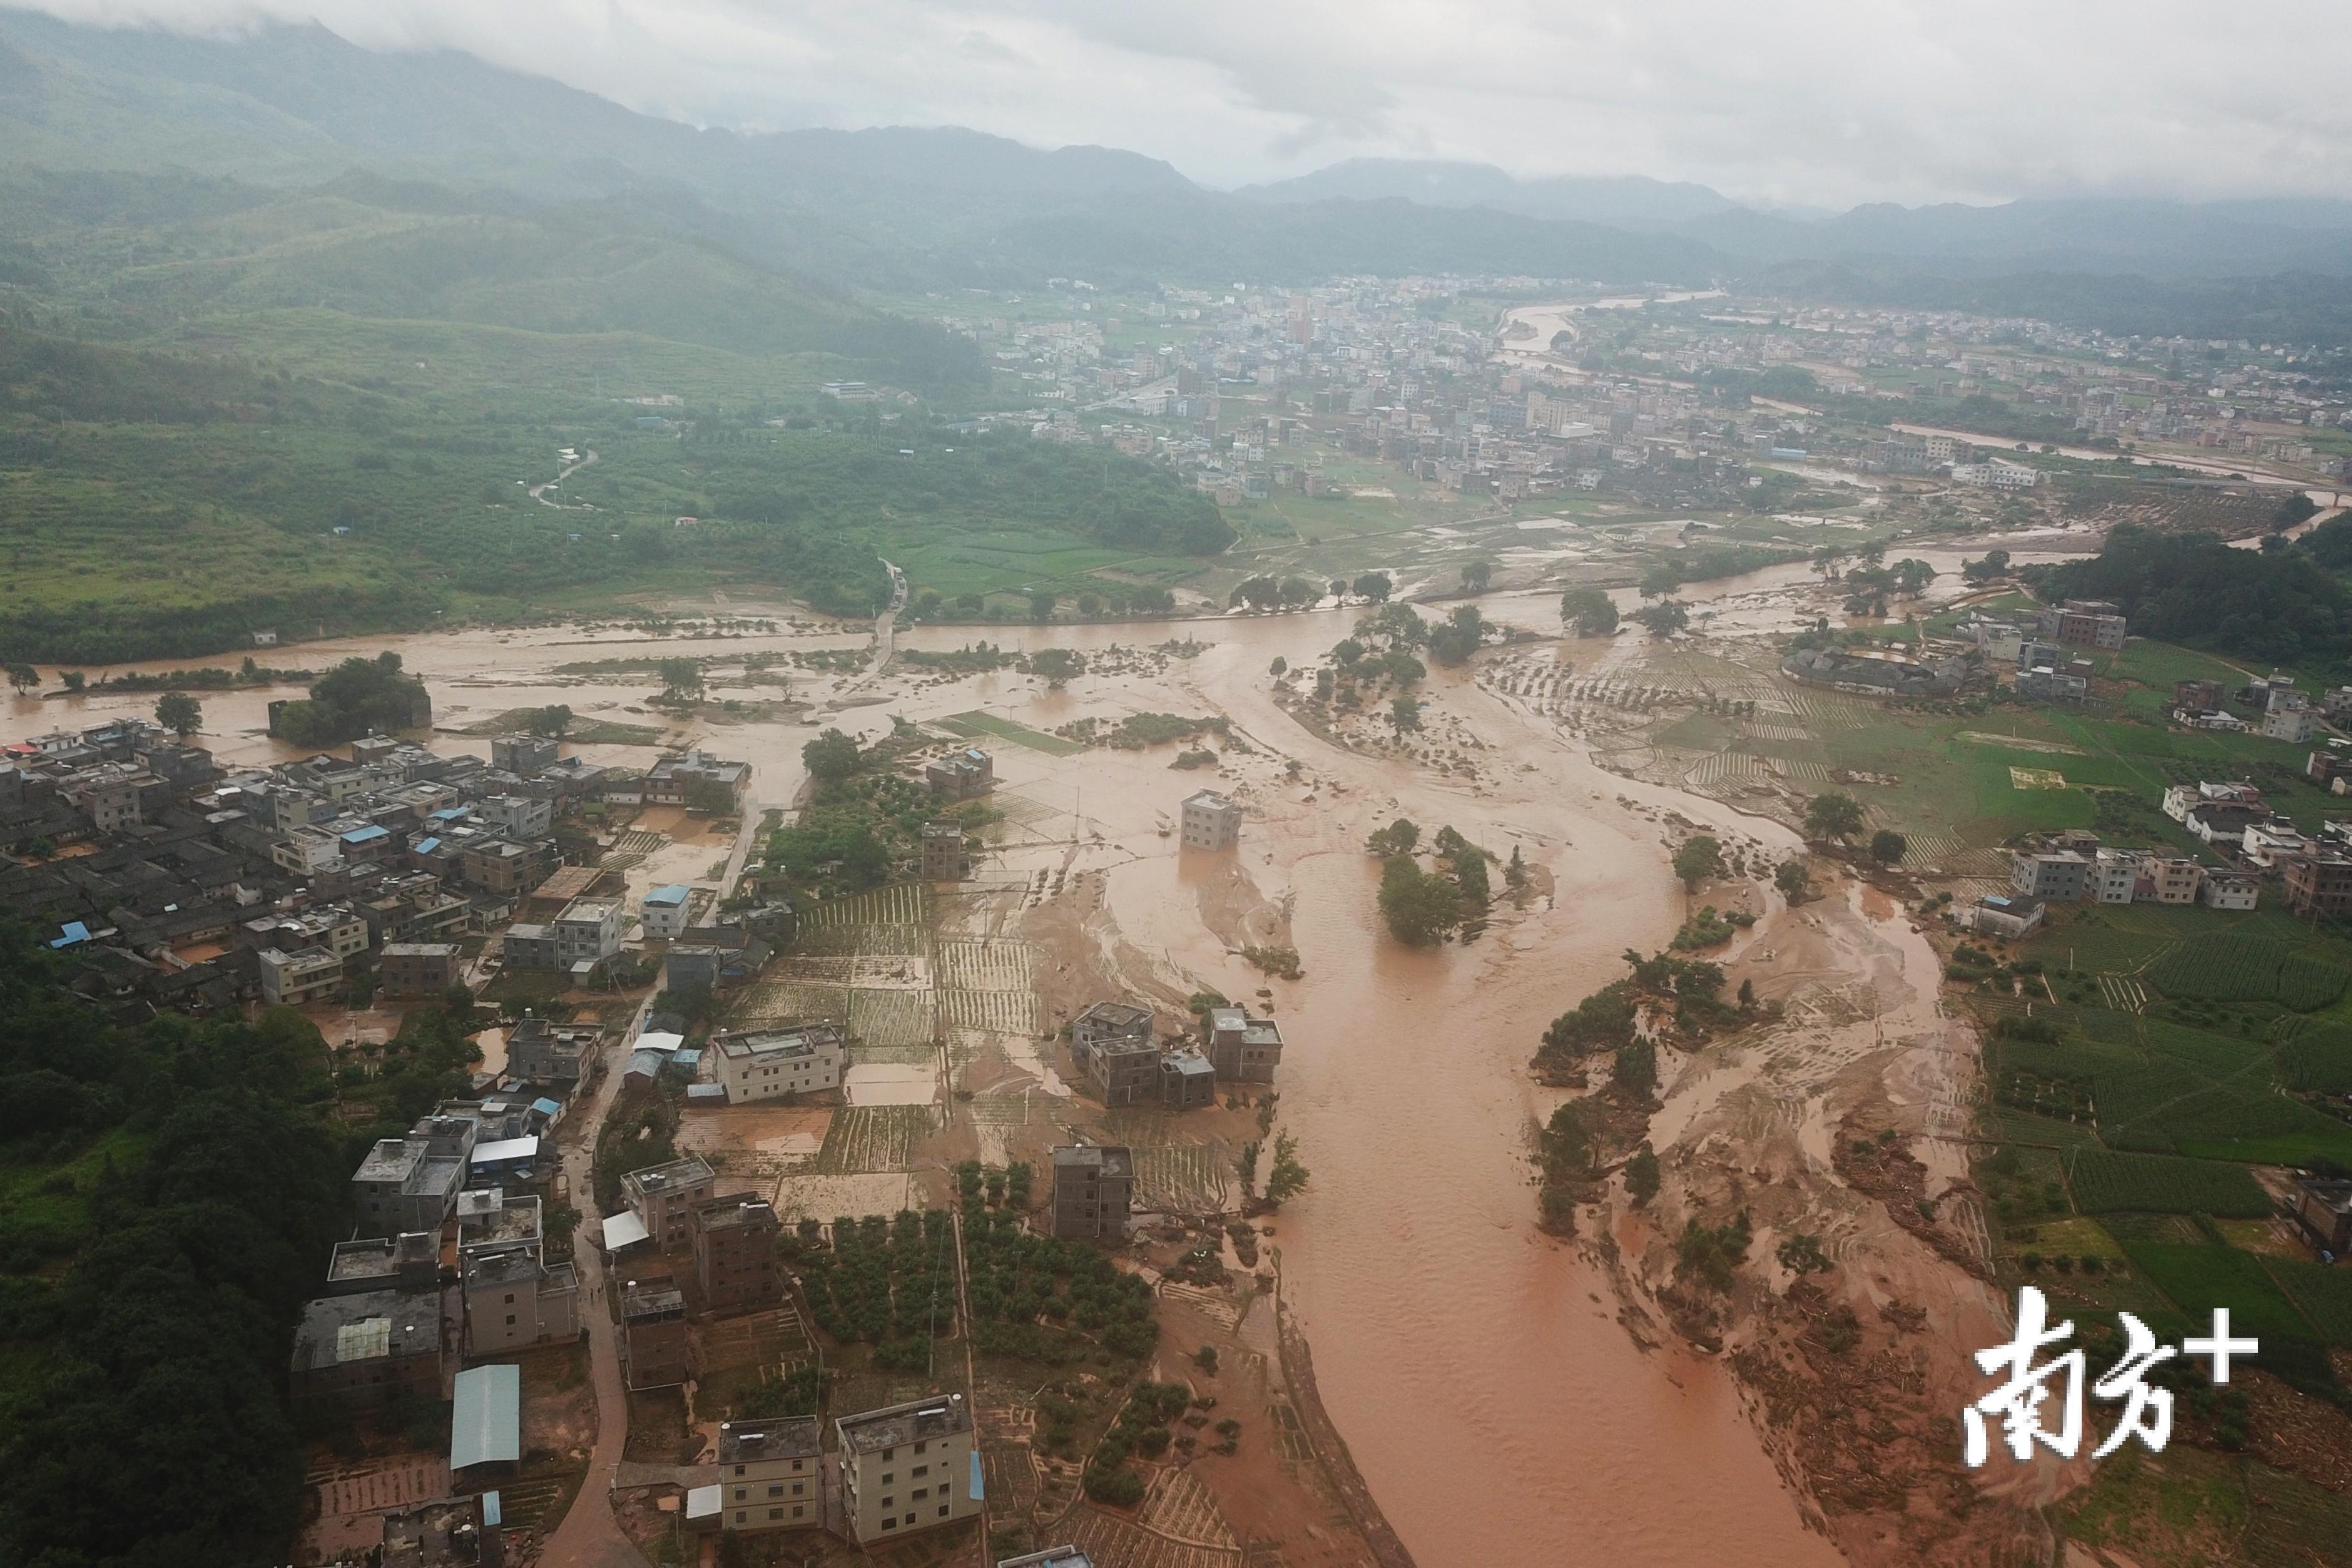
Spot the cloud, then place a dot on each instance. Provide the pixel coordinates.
(1804, 100)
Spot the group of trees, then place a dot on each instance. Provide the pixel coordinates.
(1425, 907)
(1590, 611)
(198, 1192)
(1840, 816)
(2282, 606)
(356, 697)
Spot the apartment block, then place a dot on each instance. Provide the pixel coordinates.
(1094, 1188)
(735, 1266)
(663, 1197)
(904, 1468)
(771, 1474)
(770, 1063)
(1210, 822)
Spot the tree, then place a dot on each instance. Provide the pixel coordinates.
(1790, 878)
(24, 677)
(551, 721)
(681, 679)
(1090, 607)
(1515, 871)
(1591, 612)
(1912, 575)
(1421, 909)
(1641, 1175)
(1245, 1167)
(1457, 637)
(1887, 846)
(1636, 1071)
(1347, 650)
(1405, 714)
(970, 604)
(1476, 575)
(1286, 1178)
(929, 604)
(1833, 815)
(1700, 857)
(832, 757)
(73, 678)
(1058, 665)
(1375, 586)
(1994, 563)
(1470, 876)
(1397, 838)
(1040, 604)
(1279, 667)
(1747, 995)
(180, 713)
(1664, 619)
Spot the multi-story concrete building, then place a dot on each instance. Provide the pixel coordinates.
(2287, 717)
(654, 1349)
(1113, 1043)
(516, 816)
(771, 1474)
(663, 1196)
(771, 1064)
(523, 756)
(2084, 623)
(553, 1053)
(587, 932)
(404, 1186)
(904, 1468)
(1210, 822)
(294, 979)
(735, 1267)
(1187, 1080)
(2054, 876)
(514, 1300)
(1241, 1049)
(2168, 879)
(2229, 890)
(943, 851)
(419, 968)
(2115, 874)
(959, 775)
(663, 910)
(364, 1348)
(1094, 1188)
(2320, 886)
(695, 778)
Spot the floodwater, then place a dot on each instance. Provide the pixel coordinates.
(1473, 1364)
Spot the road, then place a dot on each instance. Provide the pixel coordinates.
(538, 492)
(589, 1537)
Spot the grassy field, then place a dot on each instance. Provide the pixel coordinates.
(974, 725)
(2104, 1183)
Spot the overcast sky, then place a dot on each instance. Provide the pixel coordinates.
(1812, 101)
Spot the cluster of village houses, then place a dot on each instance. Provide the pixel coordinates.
(164, 880)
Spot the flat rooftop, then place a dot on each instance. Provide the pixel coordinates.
(898, 1424)
(786, 1437)
(657, 1179)
(1110, 1159)
(805, 1040)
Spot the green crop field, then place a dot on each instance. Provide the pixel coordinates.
(2316, 1057)
(974, 725)
(2232, 967)
(2199, 1278)
(2324, 1293)
(2106, 1183)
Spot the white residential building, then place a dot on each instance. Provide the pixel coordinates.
(1210, 822)
(769, 1064)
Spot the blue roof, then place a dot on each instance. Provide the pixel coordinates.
(451, 813)
(672, 893)
(485, 1422)
(705, 1092)
(546, 1107)
(426, 845)
(688, 1060)
(367, 835)
(74, 931)
(979, 1491)
(492, 1514)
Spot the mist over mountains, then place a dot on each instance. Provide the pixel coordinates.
(824, 214)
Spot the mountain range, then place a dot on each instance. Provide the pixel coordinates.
(903, 210)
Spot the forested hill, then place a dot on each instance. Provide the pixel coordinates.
(173, 1195)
